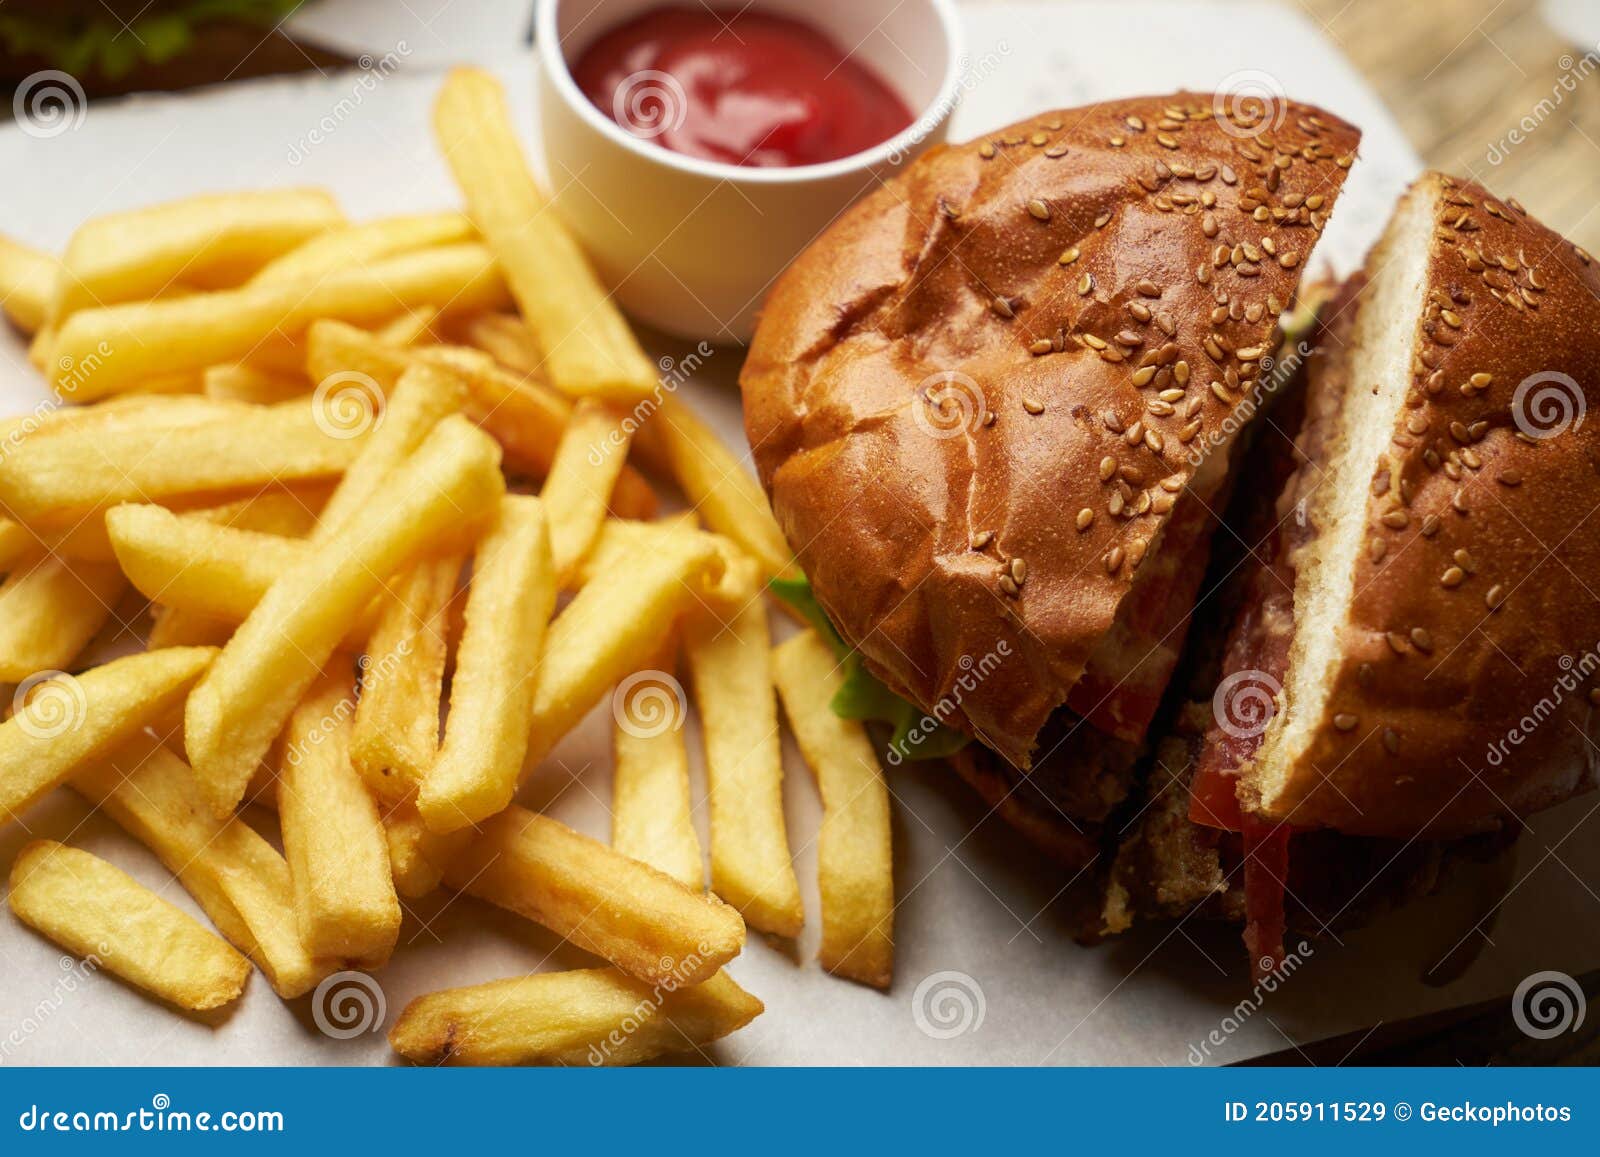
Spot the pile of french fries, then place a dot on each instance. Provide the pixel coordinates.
(388, 493)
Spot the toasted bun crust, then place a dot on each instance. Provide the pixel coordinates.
(1469, 677)
(953, 395)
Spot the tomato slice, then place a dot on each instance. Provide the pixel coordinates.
(1266, 868)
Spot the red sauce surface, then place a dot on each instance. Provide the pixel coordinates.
(740, 87)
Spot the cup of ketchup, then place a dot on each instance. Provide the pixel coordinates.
(695, 149)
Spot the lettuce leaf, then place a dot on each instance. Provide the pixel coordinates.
(863, 697)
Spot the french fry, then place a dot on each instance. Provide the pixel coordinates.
(525, 416)
(650, 801)
(203, 241)
(719, 488)
(617, 615)
(589, 349)
(414, 327)
(396, 736)
(641, 920)
(452, 481)
(588, 460)
(356, 245)
(89, 465)
(111, 349)
(582, 1017)
(195, 565)
(16, 544)
(731, 666)
(27, 283)
(332, 837)
(417, 856)
(240, 881)
(854, 860)
(100, 913)
(49, 611)
(503, 337)
(509, 603)
(422, 397)
(244, 382)
(68, 720)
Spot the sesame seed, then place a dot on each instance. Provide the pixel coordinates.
(980, 540)
(1040, 346)
(1085, 284)
(1142, 376)
(1009, 586)
(1093, 341)
(986, 150)
(1085, 518)
(1511, 477)
(1033, 405)
(1421, 640)
(1396, 520)
(1153, 440)
(1135, 433)
(1038, 210)
(1495, 596)
(1166, 141)
(1108, 467)
(1128, 337)
(1139, 310)
(1396, 641)
(1113, 560)
(1376, 549)
(1003, 307)
(1186, 435)
(1069, 256)
(1452, 578)
(1148, 289)
(1136, 552)
(1344, 721)
(1019, 570)
(1038, 140)
(1391, 741)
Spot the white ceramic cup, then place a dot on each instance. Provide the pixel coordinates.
(691, 246)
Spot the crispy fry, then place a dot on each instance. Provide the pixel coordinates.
(414, 327)
(616, 616)
(396, 737)
(49, 611)
(68, 720)
(641, 920)
(731, 665)
(16, 544)
(417, 856)
(854, 859)
(27, 283)
(453, 480)
(356, 245)
(719, 487)
(583, 1017)
(201, 241)
(422, 397)
(503, 337)
(589, 349)
(244, 382)
(650, 802)
(578, 489)
(99, 912)
(335, 844)
(509, 603)
(234, 874)
(89, 464)
(525, 416)
(112, 349)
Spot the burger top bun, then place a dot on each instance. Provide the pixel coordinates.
(974, 399)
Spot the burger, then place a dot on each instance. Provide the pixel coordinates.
(1203, 589)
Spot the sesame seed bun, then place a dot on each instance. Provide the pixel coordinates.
(1445, 664)
(982, 400)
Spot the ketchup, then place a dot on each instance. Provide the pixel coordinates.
(740, 87)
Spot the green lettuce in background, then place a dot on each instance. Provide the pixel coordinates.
(862, 696)
(85, 39)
